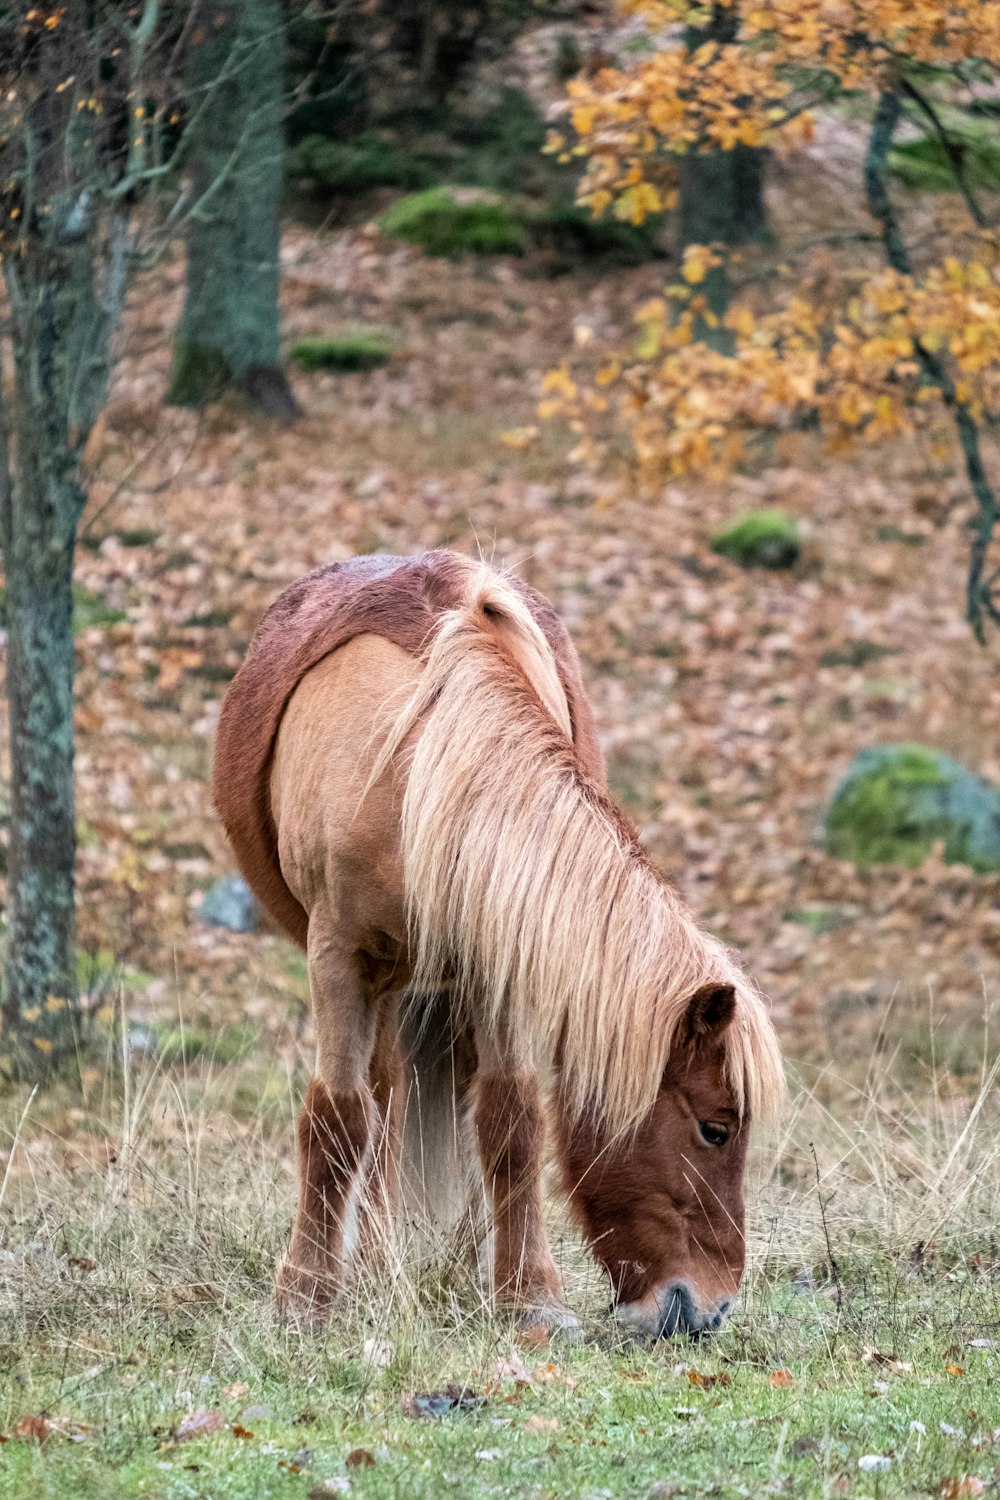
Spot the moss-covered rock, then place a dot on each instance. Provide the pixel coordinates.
(760, 539)
(897, 801)
(356, 349)
(452, 221)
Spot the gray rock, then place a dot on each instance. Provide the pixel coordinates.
(230, 902)
(897, 801)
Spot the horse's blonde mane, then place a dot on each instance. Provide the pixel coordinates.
(525, 885)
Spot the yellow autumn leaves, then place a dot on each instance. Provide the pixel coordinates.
(689, 407)
(854, 360)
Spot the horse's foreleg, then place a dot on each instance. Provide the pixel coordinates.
(337, 1126)
(510, 1130)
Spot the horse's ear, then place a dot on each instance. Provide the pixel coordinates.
(709, 1012)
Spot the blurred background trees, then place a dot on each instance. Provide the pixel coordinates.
(234, 100)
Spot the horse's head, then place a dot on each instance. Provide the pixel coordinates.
(662, 1208)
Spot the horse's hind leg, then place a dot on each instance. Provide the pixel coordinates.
(378, 1202)
(336, 1128)
(510, 1130)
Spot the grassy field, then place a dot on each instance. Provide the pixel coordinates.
(139, 1355)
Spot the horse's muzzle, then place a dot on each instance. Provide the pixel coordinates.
(672, 1309)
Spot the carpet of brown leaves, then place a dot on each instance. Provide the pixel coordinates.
(729, 701)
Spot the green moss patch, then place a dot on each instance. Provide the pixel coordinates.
(760, 539)
(455, 221)
(356, 349)
(898, 801)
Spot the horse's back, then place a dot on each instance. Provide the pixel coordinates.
(397, 599)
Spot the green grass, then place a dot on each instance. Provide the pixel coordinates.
(138, 1232)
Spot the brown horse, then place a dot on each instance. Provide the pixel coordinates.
(408, 771)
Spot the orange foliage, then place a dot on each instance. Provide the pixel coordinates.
(880, 357)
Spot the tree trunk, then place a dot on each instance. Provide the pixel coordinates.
(42, 506)
(41, 961)
(228, 332)
(722, 197)
(721, 194)
(61, 316)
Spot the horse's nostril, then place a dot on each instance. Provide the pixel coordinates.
(680, 1313)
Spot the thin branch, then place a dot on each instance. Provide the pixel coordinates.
(831, 1258)
(951, 149)
(980, 597)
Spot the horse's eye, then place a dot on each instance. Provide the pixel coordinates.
(715, 1135)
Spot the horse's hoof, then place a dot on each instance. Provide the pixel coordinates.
(302, 1297)
(550, 1317)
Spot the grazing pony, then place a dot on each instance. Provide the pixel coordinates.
(407, 768)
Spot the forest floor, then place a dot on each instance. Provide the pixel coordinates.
(143, 1210)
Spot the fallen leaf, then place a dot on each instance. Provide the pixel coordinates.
(872, 1356)
(542, 1424)
(360, 1458)
(235, 1391)
(707, 1381)
(780, 1379)
(954, 1369)
(238, 1430)
(82, 1262)
(199, 1424)
(962, 1489)
(512, 1368)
